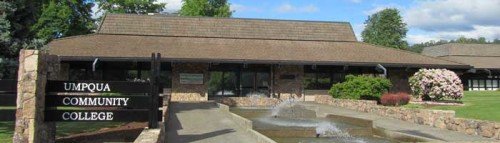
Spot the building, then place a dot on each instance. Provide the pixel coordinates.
(204, 58)
(483, 57)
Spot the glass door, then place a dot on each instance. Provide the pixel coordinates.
(254, 83)
(222, 84)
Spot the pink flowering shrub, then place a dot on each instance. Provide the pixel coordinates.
(435, 84)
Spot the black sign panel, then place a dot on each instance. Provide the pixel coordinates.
(135, 102)
(98, 86)
(8, 115)
(8, 99)
(8, 86)
(98, 115)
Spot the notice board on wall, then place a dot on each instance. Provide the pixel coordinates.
(191, 78)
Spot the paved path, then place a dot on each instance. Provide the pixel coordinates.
(203, 123)
(397, 125)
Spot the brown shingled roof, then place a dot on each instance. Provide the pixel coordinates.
(124, 36)
(240, 50)
(161, 25)
(477, 55)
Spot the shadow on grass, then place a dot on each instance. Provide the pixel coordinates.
(119, 133)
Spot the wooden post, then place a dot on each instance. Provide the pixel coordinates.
(154, 80)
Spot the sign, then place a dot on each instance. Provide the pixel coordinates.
(128, 101)
(136, 101)
(98, 87)
(191, 78)
(125, 115)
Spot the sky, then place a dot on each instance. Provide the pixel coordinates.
(426, 19)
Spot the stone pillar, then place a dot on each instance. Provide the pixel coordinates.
(189, 92)
(34, 69)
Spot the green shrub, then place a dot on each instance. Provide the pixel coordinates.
(360, 87)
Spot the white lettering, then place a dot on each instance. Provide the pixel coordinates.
(68, 87)
(106, 87)
(65, 116)
(88, 116)
(95, 101)
(66, 100)
(125, 100)
(90, 87)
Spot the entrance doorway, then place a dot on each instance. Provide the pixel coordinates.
(232, 80)
(254, 83)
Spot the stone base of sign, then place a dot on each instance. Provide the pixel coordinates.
(35, 67)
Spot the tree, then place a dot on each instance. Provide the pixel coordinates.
(211, 8)
(63, 18)
(16, 19)
(386, 28)
(130, 6)
(481, 40)
(5, 36)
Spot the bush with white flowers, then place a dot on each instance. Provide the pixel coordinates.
(436, 84)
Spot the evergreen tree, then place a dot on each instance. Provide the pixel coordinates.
(17, 16)
(64, 18)
(386, 28)
(131, 6)
(211, 8)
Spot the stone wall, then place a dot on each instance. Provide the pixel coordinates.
(35, 67)
(288, 88)
(443, 119)
(248, 101)
(189, 92)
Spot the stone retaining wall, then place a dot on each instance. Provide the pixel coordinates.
(443, 119)
(157, 135)
(247, 101)
(246, 124)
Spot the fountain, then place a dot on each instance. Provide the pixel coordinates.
(255, 98)
(291, 122)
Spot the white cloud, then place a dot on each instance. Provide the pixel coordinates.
(489, 32)
(378, 8)
(453, 15)
(96, 13)
(288, 8)
(451, 19)
(171, 5)
(243, 8)
(358, 28)
(420, 38)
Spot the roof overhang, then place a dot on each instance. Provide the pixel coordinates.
(281, 62)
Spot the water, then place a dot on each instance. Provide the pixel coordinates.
(255, 98)
(290, 122)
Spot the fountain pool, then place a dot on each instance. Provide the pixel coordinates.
(290, 122)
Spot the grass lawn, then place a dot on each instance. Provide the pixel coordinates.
(483, 105)
(6, 131)
(63, 128)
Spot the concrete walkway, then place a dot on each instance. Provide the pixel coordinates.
(203, 123)
(397, 125)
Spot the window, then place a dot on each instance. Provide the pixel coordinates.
(321, 81)
(483, 84)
